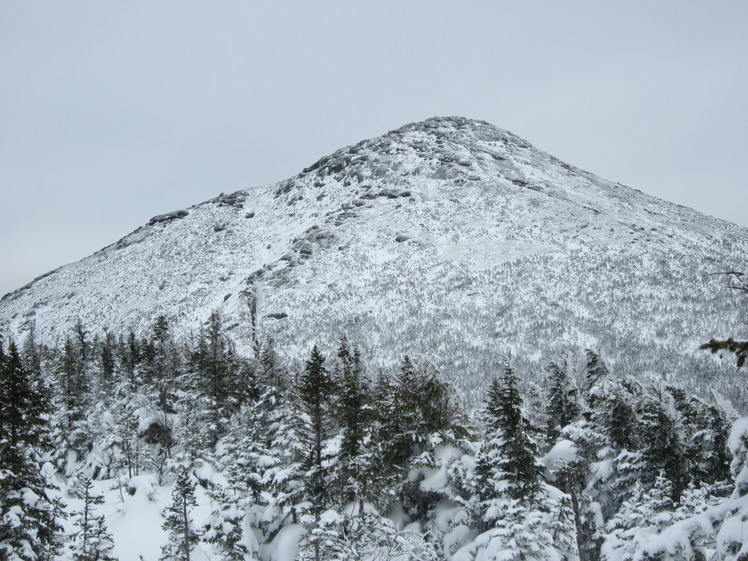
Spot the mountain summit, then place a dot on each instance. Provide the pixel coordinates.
(449, 238)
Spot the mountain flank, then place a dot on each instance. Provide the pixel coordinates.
(448, 238)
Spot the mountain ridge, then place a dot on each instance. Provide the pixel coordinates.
(445, 234)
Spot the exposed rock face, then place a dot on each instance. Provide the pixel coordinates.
(450, 237)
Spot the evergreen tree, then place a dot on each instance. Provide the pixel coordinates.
(412, 407)
(73, 383)
(315, 389)
(224, 528)
(619, 420)
(506, 468)
(92, 540)
(271, 374)
(286, 468)
(163, 365)
(32, 354)
(562, 407)
(595, 377)
(353, 410)
(107, 365)
(177, 520)
(214, 369)
(664, 450)
(355, 416)
(643, 513)
(28, 516)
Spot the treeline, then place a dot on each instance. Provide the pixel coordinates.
(357, 464)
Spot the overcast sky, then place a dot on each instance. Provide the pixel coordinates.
(113, 112)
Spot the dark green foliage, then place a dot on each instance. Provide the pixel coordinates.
(663, 450)
(108, 364)
(738, 348)
(411, 407)
(505, 464)
(214, 384)
(518, 450)
(75, 387)
(356, 417)
(704, 429)
(178, 521)
(562, 406)
(353, 410)
(91, 541)
(23, 403)
(28, 528)
(315, 390)
(596, 374)
(162, 366)
(622, 421)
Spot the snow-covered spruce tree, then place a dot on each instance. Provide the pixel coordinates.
(366, 537)
(285, 468)
(225, 527)
(512, 507)
(562, 400)
(178, 521)
(105, 381)
(595, 375)
(315, 389)
(704, 430)
(248, 463)
(91, 541)
(415, 414)
(71, 432)
(130, 358)
(643, 513)
(507, 462)
(664, 452)
(125, 435)
(162, 366)
(213, 368)
(358, 457)
(271, 374)
(28, 516)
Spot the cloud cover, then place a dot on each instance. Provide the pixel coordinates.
(112, 113)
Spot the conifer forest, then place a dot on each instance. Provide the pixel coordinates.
(440, 344)
(322, 458)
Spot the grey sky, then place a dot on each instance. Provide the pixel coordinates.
(111, 113)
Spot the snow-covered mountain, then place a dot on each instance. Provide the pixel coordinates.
(449, 238)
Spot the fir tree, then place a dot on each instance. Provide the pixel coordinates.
(224, 528)
(355, 415)
(178, 522)
(28, 516)
(353, 408)
(562, 407)
(595, 377)
(92, 540)
(621, 422)
(214, 377)
(314, 391)
(163, 365)
(506, 464)
(664, 450)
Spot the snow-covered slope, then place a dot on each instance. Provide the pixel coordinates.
(448, 237)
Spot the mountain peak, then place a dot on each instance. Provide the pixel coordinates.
(454, 126)
(448, 237)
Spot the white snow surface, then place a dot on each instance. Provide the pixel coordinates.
(449, 238)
